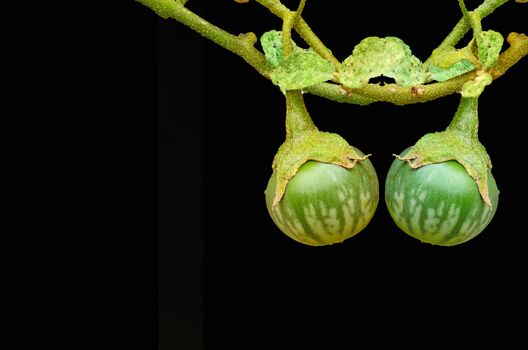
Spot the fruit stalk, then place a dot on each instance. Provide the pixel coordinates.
(298, 119)
(465, 119)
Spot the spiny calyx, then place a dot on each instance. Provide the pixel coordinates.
(458, 142)
(305, 142)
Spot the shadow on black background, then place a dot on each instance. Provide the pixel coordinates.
(221, 124)
(181, 192)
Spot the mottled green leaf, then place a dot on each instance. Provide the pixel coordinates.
(447, 56)
(474, 88)
(271, 42)
(489, 45)
(374, 57)
(301, 69)
(272, 45)
(459, 68)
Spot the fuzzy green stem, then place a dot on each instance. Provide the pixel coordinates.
(241, 45)
(298, 119)
(517, 50)
(336, 93)
(463, 8)
(466, 117)
(287, 23)
(278, 9)
(472, 17)
(300, 9)
(476, 25)
(402, 95)
(463, 26)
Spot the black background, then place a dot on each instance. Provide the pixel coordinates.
(221, 124)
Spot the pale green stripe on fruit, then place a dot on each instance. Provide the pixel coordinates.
(432, 221)
(349, 220)
(415, 219)
(450, 222)
(366, 203)
(311, 219)
(278, 214)
(331, 221)
(397, 205)
(471, 223)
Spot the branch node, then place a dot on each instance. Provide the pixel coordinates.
(417, 91)
(249, 38)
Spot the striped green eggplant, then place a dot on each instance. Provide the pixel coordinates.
(325, 203)
(438, 203)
